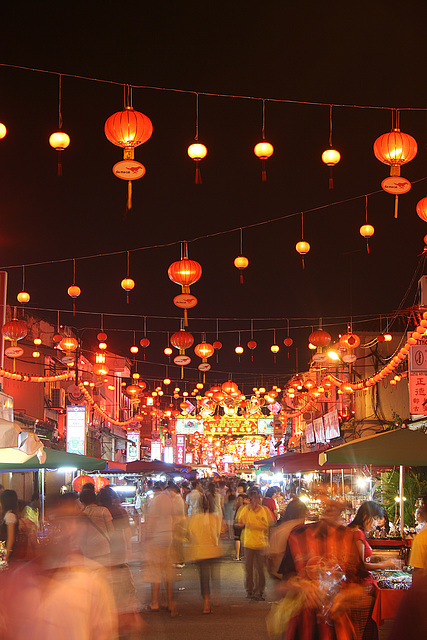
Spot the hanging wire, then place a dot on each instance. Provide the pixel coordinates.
(330, 125)
(196, 137)
(263, 119)
(60, 101)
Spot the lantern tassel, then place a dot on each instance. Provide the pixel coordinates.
(59, 172)
(74, 308)
(263, 172)
(396, 205)
(241, 277)
(127, 297)
(367, 246)
(302, 260)
(182, 373)
(129, 200)
(185, 318)
(198, 176)
(331, 179)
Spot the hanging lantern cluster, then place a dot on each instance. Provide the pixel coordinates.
(395, 149)
(185, 272)
(128, 129)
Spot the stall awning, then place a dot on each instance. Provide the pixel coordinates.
(298, 463)
(391, 448)
(56, 460)
(151, 466)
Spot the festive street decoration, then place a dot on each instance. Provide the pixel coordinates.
(331, 156)
(128, 129)
(263, 150)
(395, 149)
(185, 272)
(197, 151)
(59, 140)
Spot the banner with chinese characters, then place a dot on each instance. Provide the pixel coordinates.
(245, 450)
(231, 425)
(418, 393)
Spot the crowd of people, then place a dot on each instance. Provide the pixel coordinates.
(321, 570)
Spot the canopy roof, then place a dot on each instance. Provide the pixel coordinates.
(391, 448)
(298, 462)
(55, 460)
(152, 466)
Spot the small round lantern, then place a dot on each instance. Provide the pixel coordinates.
(127, 284)
(59, 141)
(422, 209)
(101, 336)
(197, 152)
(3, 131)
(144, 342)
(331, 157)
(367, 231)
(241, 263)
(288, 342)
(302, 247)
(23, 297)
(263, 150)
(74, 291)
(319, 338)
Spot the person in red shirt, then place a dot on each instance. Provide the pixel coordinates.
(270, 502)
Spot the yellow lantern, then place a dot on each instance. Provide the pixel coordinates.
(23, 297)
(3, 131)
(197, 152)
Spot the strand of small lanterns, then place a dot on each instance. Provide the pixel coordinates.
(101, 412)
(23, 377)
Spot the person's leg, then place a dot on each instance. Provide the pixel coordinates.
(155, 590)
(204, 571)
(259, 572)
(249, 570)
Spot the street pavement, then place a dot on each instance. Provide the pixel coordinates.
(233, 616)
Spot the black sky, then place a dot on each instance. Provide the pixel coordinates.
(363, 54)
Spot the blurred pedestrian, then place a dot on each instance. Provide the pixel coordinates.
(255, 519)
(96, 536)
(179, 524)
(241, 500)
(194, 499)
(158, 548)
(12, 531)
(294, 515)
(204, 530)
(229, 514)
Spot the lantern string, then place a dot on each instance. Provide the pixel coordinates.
(197, 117)
(302, 226)
(23, 277)
(208, 235)
(263, 119)
(241, 241)
(330, 125)
(252, 329)
(74, 271)
(60, 102)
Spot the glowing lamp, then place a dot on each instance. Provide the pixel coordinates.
(167, 381)
(204, 350)
(68, 344)
(331, 157)
(23, 297)
(127, 284)
(134, 349)
(333, 355)
(263, 150)
(302, 247)
(185, 272)
(367, 230)
(128, 129)
(167, 351)
(199, 385)
(349, 341)
(252, 344)
(136, 376)
(133, 390)
(197, 151)
(37, 341)
(312, 346)
(262, 389)
(59, 140)
(229, 387)
(100, 369)
(395, 148)
(239, 350)
(3, 131)
(102, 346)
(241, 263)
(388, 337)
(274, 348)
(144, 342)
(74, 291)
(288, 342)
(36, 354)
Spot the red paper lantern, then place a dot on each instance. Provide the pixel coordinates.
(395, 148)
(128, 129)
(422, 209)
(81, 480)
(349, 341)
(14, 330)
(204, 350)
(101, 336)
(185, 272)
(288, 342)
(252, 344)
(229, 387)
(319, 338)
(144, 342)
(217, 344)
(181, 340)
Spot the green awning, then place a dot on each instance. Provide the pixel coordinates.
(390, 448)
(56, 460)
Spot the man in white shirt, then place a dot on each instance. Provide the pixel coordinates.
(194, 500)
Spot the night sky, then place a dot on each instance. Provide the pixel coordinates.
(366, 53)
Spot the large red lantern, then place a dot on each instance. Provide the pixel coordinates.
(229, 387)
(395, 148)
(182, 340)
(185, 272)
(128, 129)
(14, 330)
(319, 338)
(204, 350)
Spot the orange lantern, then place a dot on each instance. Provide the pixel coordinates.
(185, 272)
(349, 341)
(128, 129)
(395, 149)
(263, 150)
(367, 231)
(319, 338)
(303, 248)
(69, 345)
(331, 157)
(288, 342)
(59, 141)
(78, 482)
(422, 209)
(23, 297)
(14, 330)
(229, 387)
(241, 263)
(197, 152)
(3, 130)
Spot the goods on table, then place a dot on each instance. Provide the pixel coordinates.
(392, 579)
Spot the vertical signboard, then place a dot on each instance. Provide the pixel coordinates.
(180, 449)
(133, 449)
(418, 379)
(76, 430)
(156, 450)
(168, 455)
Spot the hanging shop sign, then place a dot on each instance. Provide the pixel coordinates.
(188, 426)
(231, 425)
(418, 393)
(319, 430)
(332, 425)
(418, 358)
(133, 448)
(244, 451)
(180, 449)
(76, 430)
(156, 450)
(265, 426)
